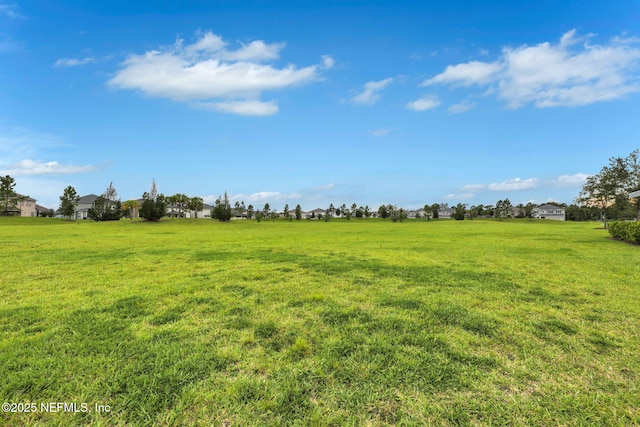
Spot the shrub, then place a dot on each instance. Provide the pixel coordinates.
(628, 231)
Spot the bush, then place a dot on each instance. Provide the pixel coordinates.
(628, 231)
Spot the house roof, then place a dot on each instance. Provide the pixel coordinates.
(548, 206)
(89, 198)
(23, 197)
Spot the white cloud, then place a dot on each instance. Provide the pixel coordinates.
(473, 72)
(514, 184)
(10, 10)
(473, 187)
(72, 62)
(243, 108)
(425, 103)
(575, 180)
(29, 167)
(206, 71)
(462, 107)
(370, 95)
(264, 196)
(328, 61)
(255, 51)
(325, 187)
(459, 196)
(381, 132)
(572, 72)
(18, 143)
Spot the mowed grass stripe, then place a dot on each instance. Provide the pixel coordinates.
(361, 322)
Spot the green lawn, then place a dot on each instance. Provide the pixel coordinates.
(367, 322)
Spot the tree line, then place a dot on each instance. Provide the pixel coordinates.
(604, 196)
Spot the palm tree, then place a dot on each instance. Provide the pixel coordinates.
(195, 204)
(131, 206)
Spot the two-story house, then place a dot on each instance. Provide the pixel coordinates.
(548, 211)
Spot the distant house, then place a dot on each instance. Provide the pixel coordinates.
(419, 213)
(174, 212)
(315, 213)
(517, 212)
(27, 207)
(446, 212)
(205, 212)
(240, 214)
(548, 211)
(83, 206)
(43, 211)
(23, 206)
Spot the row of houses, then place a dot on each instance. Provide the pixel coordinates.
(27, 206)
(547, 211)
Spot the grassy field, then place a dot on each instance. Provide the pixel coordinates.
(194, 322)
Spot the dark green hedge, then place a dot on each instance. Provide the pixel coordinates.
(628, 231)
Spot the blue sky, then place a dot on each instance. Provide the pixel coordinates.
(315, 103)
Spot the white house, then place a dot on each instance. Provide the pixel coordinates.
(446, 212)
(548, 211)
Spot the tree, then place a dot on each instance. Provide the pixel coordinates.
(396, 215)
(298, 213)
(286, 212)
(460, 210)
(8, 197)
(347, 212)
(627, 171)
(266, 210)
(249, 211)
(154, 205)
(106, 207)
(600, 191)
(327, 214)
(222, 208)
(434, 211)
(68, 202)
(195, 204)
(503, 209)
(383, 211)
(428, 213)
(128, 208)
(179, 201)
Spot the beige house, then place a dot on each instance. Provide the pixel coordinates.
(25, 206)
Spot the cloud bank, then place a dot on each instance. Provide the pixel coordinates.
(572, 72)
(470, 191)
(29, 167)
(210, 74)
